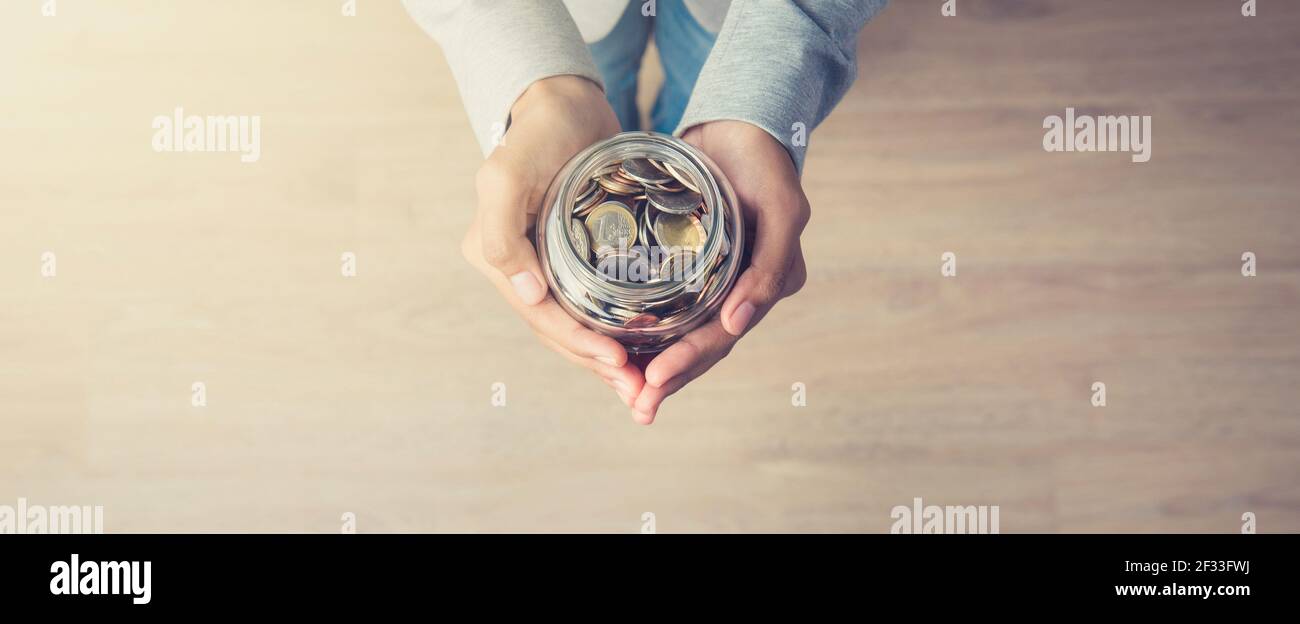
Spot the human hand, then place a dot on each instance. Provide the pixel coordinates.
(552, 121)
(775, 210)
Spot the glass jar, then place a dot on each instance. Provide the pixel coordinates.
(623, 247)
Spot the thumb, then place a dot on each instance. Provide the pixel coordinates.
(775, 267)
(504, 193)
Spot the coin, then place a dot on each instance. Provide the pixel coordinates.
(623, 178)
(638, 217)
(621, 312)
(670, 187)
(614, 186)
(647, 232)
(606, 170)
(624, 265)
(586, 187)
(681, 177)
(642, 171)
(603, 254)
(644, 319)
(638, 267)
(581, 240)
(677, 266)
(584, 206)
(680, 231)
(612, 224)
(611, 263)
(680, 203)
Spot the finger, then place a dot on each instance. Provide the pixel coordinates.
(680, 364)
(651, 398)
(626, 380)
(547, 318)
(708, 343)
(627, 398)
(646, 407)
(775, 250)
(504, 193)
(641, 360)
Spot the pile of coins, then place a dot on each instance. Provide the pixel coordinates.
(639, 220)
(640, 238)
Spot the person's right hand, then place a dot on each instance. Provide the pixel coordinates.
(552, 121)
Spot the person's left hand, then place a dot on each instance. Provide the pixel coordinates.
(775, 212)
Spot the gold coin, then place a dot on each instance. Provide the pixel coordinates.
(681, 231)
(612, 224)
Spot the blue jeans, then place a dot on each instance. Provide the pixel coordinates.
(683, 46)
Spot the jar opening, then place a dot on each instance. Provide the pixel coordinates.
(632, 146)
(629, 191)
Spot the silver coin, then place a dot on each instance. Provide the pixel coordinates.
(581, 239)
(585, 188)
(638, 268)
(671, 187)
(623, 265)
(679, 203)
(584, 205)
(682, 177)
(606, 170)
(641, 170)
(647, 232)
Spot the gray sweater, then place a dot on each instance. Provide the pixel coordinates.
(781, 65)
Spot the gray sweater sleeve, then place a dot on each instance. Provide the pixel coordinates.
(496, 49)
(781, 65)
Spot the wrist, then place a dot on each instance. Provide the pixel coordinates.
(565, 89)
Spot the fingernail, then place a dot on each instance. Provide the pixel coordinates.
(642, 418)
(527, 287)
(740, 318)
(622, 386)
(607, 360)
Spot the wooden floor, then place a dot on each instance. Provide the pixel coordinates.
(371, 394)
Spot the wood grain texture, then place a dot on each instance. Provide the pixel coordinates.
(371, 394)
